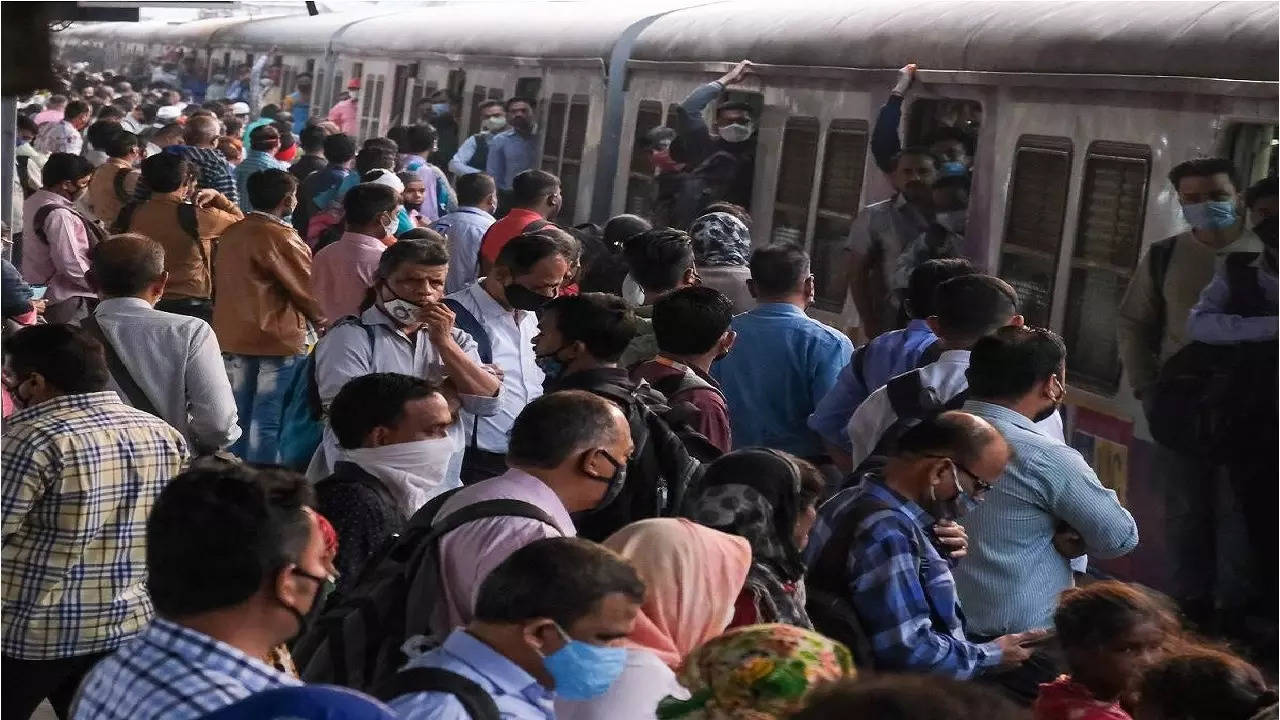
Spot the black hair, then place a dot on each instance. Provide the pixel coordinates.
(659, 258)
(506, 105)
(61, 167)
(269, 111)
(165, 172)
(557, 425)
(219, 533)
(411, 252)
(375, 158)
(121, 144)
(474, 187)
(420, 138)
(99, 133)
(1202, 167)
(264, 138)
(691, 320)
(407, 177)
(69, 358)
(1203, 683)
(524, 251)
(25, 123)
(110, 112)
(925, 279)
(421, 233)
(55, 101)
(268, 188)
(396, 135)
(1264, 188)
(124, 265)
(385, 144)
(914, 151)
(735, 105)
(951, 434)
(371, 401)
(201, 129)
(312, 138)
(530, 186)
(603, 323)
(971, 306)
(953, 182)
(619, 228)
(339, 148)
(943, 134)
(75, 109)
(779, 269)
(1006, 364)
(1094, 614)
(365, 202)
(582, 573)
(485, 105)
(907, 697)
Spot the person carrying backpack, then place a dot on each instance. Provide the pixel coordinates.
(578, 345)
(57, 239)
(114, 181)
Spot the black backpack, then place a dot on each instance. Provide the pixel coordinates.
(358, 640)
(478, 703)
(912, 401)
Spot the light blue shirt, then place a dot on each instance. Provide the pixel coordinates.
(460, 163)
(254, 161)
(888, 355)
(780, 368)
(510, 154)
(517, 694)
(1210, 322)
(1011, 579)
(463, 230)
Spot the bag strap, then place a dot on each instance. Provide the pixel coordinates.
(908, 395)
(467, 322)
(930, 354)
(478, 703)
(132, 391)
(1158, 260)
(488, 509)
(831, 571)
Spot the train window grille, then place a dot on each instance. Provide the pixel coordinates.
(376, 123)
(927, 115)
(311, 67)
(337, 88)
(1108, 238)
(318, 105)
(1037, 208)
(839, 192)
(528, 87)
(797, 159)
(575, 138)
(640, 178)
(399, 114)
(478, 96)
(553, 136)
(366, 108)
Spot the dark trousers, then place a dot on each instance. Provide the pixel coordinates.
(480, 465)
(192, 307)
(27, 683)
(1022, 683)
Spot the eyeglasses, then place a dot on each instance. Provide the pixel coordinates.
(980, 486)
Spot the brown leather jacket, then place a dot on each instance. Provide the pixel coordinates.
(263, 274)
(186, 262)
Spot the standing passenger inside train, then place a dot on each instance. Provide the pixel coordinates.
(440, 111)
(513, 151)
(473, 156)
(298, 103)
(722, 162)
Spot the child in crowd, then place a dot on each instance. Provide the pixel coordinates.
(1110, 633)
(415, 192)
(1203, 683)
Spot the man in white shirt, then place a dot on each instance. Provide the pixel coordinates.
(498, 312)
(166, 364)
(465, 227)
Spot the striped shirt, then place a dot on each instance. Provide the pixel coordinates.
(901, 587)
(1012, 576)
(171, 672)
(254, 161)
(80, 474)
(212, 168)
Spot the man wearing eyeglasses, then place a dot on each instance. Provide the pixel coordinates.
(880, 548)
(1049, 506)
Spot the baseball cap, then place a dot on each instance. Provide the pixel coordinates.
(168, 113)
(239, 108)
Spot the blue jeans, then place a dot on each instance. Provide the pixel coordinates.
(258, 384)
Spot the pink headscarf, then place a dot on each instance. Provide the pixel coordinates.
(693, 575)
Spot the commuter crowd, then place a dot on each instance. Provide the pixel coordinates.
(299, 425)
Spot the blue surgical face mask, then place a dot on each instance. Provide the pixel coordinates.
(952, 168)
(440, 109)
(552, 367)
(583, 671)
(1214, 215)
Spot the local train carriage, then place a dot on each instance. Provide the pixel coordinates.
(1081, 109)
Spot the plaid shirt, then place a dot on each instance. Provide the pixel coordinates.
(214, 171)
(171, 672)
(901, 587)
(254, 161)
(80, 474)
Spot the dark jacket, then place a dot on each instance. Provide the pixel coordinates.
(363, 514)
(15, 293)
(721, 171)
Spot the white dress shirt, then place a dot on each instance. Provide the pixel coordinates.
(176, 361)
(511, 334)
(946, 376)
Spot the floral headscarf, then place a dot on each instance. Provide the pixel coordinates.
(759, 672)
(720, 239)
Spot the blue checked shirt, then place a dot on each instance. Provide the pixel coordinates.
(80, 474)
(254, 161)
(171, 672)
(901, 587)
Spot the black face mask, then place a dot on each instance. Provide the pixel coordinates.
(1048, 412)
(1267, 231)
(522, 298)
(616, 482)
(324, 588)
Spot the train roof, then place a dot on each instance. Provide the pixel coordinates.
(301, 33)
(1230, 40)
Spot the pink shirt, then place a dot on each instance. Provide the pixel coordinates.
(63, 261)
(342, 273)
(470, 553)
(46, 116)
(344, 116)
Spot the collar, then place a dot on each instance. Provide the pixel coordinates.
(488, 306)
(992, 411)
(54, 197)
(117, 304)
(681, 367)
(954, 357)
(910, 508)
(273, 219)
(918, 325)
(78, 401)
(777, 308)
(204, 650)
(362, 240)
(509, 678)
(468, 209)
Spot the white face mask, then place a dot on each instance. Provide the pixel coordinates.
(413, 471)
(390, 226)
(736, 133)
(632, 292)
(495, 124)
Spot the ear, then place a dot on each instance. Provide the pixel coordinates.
(690, 277)
(377, 437)
(728, 340)
(751, 288)
(541, 635)
(934, 325)
(285, 586)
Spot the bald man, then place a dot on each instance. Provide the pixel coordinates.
(168, 365)
(201, 149)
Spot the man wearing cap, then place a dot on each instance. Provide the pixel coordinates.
(344, 113)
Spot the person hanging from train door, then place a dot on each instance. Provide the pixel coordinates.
(721, 161)
(298, 103)
(1151, 328)
(952, 146)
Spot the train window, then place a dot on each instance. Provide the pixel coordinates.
(495, 93)
(375, 125)
(365, 108)
(311, 67)
(357, 69)
(640, 180)
(553, 136)
(575, 137)
(839, 191)
(798, 156)
(477, 97)
(1252, 149)
(456, 82)
(337, 87)
(673, 115)
(226, 63)
(399, 91)
(1112, 207)
(1037, 204)
(317, 93)
(528, 87)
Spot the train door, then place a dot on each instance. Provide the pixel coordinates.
(405, 78)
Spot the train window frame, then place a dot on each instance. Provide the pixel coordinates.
(1081, 269)
(642, 182)
(576, 122)
(528, 87)
(800, 125)
(832, 223)
(1060, 148)
(1268, 140)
